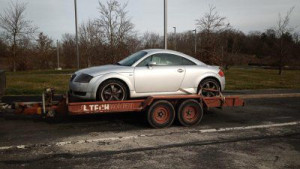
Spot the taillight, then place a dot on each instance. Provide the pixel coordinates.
(221, 73)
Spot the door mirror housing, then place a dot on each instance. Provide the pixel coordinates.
(152, 64)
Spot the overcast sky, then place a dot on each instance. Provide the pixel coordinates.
(56, 17)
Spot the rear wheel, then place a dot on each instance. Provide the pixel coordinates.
(209, 88)
(161, 114)
(112, 90)
(189, 113)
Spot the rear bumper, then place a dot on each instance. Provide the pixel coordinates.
(223, 82)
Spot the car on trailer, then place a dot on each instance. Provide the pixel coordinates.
(147, 73)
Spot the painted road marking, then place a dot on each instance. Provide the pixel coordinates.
(63, 143)
(250, 127)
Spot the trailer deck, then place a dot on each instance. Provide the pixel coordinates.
(161, 110)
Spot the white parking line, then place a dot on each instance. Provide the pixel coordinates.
(250, 127)
(149, 135)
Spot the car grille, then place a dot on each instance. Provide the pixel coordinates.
(80, 93)
(73, 77)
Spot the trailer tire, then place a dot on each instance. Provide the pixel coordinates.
(190, 113)
(161, 114)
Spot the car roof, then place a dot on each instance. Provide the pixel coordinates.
(153, 51)
(160, 50)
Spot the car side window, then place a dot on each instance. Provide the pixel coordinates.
(173, 60)
(145, 62)
(164, 59)
(170, 60)
(159, 59)
(187, 62)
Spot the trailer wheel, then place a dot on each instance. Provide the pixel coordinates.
(161, 114)
(190, 113)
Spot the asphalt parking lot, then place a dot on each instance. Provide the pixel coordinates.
(263, 134)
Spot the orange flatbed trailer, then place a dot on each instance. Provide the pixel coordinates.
(161, 110)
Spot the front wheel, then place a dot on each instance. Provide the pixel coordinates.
(112, 90)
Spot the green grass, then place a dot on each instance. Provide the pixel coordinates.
(34, 82)
(238, 79)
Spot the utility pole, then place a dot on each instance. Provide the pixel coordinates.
(195, 30)
(175, 39)
(76, 30)
(166, 23)
(57, 48)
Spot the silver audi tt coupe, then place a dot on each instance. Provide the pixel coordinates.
(147, 73)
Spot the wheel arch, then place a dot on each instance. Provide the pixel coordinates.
(116, 76)
(208, 77)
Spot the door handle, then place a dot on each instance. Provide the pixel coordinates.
(180, 70)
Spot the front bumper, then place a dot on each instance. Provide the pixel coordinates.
(80, 90)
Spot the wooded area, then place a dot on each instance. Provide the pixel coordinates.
(112, 36)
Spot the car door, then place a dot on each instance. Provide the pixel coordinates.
(165, 76)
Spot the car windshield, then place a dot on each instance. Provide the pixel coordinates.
(130, 60)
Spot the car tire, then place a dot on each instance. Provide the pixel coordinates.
(112, 90)
(211, 84)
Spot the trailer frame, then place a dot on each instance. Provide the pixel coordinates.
(165, 110)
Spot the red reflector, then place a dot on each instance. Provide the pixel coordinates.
(221, 73)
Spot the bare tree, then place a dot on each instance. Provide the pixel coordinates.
(283, 31)
(296, 37)
(68, 52)
(44, 51)
(91, 39)
(151, 40)
(114, 22)
(210, 25)
(13, 22)
(3, 48)
(231, 41)
(212, 22)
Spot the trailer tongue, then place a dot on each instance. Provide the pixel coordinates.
(160, 110)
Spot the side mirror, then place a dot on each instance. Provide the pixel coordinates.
(152, 64)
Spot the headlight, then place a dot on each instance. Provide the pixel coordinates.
(73, 77)
(84, 78)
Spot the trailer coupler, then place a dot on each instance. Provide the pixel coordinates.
(48, 108)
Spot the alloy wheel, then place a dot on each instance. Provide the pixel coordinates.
(210, 89)
(113, 92)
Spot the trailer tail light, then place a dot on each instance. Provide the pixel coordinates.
(221, 73)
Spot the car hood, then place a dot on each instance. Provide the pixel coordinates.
(100, 70)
